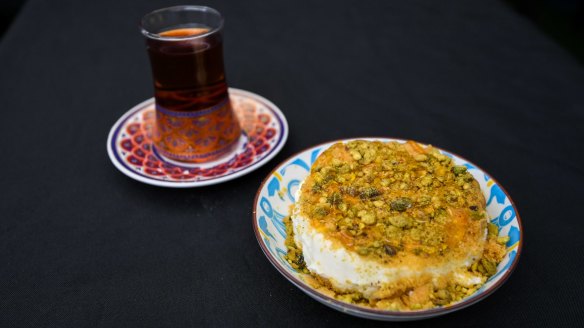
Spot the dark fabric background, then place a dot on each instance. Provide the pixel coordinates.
(81, 245)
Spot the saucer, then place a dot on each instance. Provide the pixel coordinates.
(264, 133)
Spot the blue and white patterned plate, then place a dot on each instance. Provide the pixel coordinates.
(276, 194)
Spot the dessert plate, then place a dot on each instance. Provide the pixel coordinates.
(129, 145)
(276, 195)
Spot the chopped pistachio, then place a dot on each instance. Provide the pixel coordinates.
(389, 250)
(490, 267)
(493, 229)
(369, 192)
(320, 211)
(316, 187)
(366, 217)
(424, 200)
(442, 294)
(378, 203)
(477, 215)
(503, 240)
(355, 154)
(400, 221)
(420, 157)
(426, 180)
(335, 198)
(351, 191)
(363, 251)
(400, 204)
(458, 169)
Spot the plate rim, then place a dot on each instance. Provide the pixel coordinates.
(195, 184)
(386, 315)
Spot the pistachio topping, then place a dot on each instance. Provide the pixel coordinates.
(402, 192)
(398, 204)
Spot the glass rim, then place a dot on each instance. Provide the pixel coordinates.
(157, 36)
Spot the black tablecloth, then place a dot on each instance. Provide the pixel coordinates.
(82, 245)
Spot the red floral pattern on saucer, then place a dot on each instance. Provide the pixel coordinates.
(264, 133)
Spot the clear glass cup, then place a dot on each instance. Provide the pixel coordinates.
(194, 118)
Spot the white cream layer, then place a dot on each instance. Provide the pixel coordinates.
(347, 271)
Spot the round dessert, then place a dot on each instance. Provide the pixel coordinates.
(392, 226)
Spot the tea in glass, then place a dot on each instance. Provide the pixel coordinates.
(194, 119)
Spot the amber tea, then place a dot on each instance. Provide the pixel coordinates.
(188, 74)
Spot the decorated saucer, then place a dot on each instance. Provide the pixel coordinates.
(264, 133)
